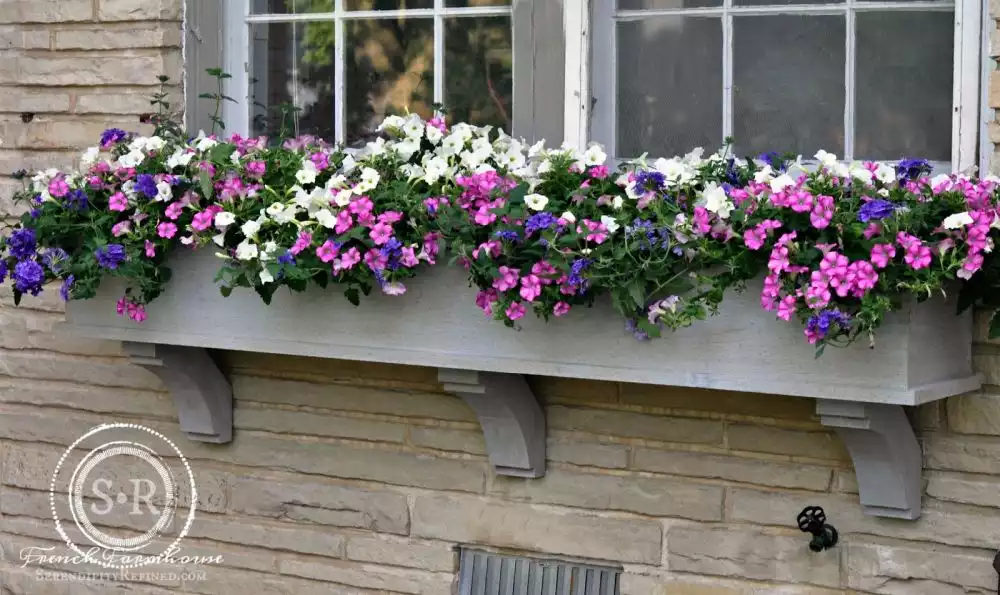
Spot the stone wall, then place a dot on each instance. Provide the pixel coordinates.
(361, 479)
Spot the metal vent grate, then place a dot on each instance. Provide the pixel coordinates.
(483, 573)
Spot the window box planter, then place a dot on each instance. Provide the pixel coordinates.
(922, 354)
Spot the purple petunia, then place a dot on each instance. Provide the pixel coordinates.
(3, 270)
(287, 258)
(53, 258)
(21, 243)
(911, 169)
(876, 209)
(28, 277)
(77, 200)
(66, 287)
(820, 324)
(146, 184)
(392, 250)
(542, 220)
(508, 235)
(112, 136)
(110, 256)
(650, 180)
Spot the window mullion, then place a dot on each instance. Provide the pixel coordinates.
(236, 62)
(576, 97)
(439, 72)
(849, 80)
(727, 69)
(339, 74)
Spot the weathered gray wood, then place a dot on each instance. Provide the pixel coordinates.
(539, 69)
(922, 354)
(512, 420)
(886, 455)
(202, 395)
(202, 49)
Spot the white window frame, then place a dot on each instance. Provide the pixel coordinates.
(237, 52)
(597, 67)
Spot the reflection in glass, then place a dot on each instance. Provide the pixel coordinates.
(474, 3)
(669, 85)
(788, 84)
(290, 6)
(904, 85)
(479, 84)
(387, 4)
(292, 67)
(390, 69)
(666, 4)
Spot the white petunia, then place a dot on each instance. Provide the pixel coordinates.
(610, 223)
(414, 128)
(246, 250)
(536, 202)
(224, 219)
(250, 228)
(536, 148)
(885, 173)
(90, 156)
(234, 158)
(826, 159)
(941, 180)
(544, 167)
(343, 197)
(781, 182)
(369, 180)
(412, 171)
(219, 239)
(511, 159)
(717, 201)
(307, 175)
(391, 122)
(473, 159)
(205, 144)
(617, 202)
(180, 158)
(568, 217)
(326, 218)
(957, 221)
(375, 148)
(266, 276)
(764, 175)
(594, 155)
(434, 134)
(274, 210)
(406, 148)
(163, 192)
(131, 159)
(861, 173)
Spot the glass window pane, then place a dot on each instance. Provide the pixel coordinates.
(473, 3)
(290, 6)
(904, 85)
(666, 4)
(387, 4)
(788, 84)
(478, 66)
(786, 2)
(292, 66)
(390, 69)
(669, 85)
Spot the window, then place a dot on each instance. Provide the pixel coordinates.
(864, 79)
(483, 573)
(335, 68)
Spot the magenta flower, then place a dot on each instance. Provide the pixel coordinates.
(545, 271)
(778, 260)
(515, 311)
(486, 299)
(121, 228)
(508, 279)
(754, 237)
(818, 294)
(381, 233)
(166, 230)
(561, 308)
(203, 220)
(328, 251)
(531, 287)
(390, 217)
(174, 210)
(121, 306)
(598, 172)
(301, 243)
(484, 216)
(362, 207)
(256, 169)
(58, 187)
(344, 222)
(347, 261)
(822, 212)
(408, 257)
(700, 221)
(118, 202)
(882, 254)
(150, 249)
(862, 275)
(375, 260)
(872, 230)
(800, 201)
(786, 307)
(598, 232)
(320, 160)
(918, 256)
(972, 263)
(492, 248)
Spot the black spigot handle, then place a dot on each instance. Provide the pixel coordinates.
(812, 520)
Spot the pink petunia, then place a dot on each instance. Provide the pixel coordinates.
(121, 228)
(786, 307)
(256, 169)
(344, 222)
(560, 309)
(150, 249)
(531, 287)
(381, 233)
(118, 202)
(508, 279)
(328, 251)
(408, 257)
(174, 210)
(515, 311)
(882, 254)
(347, 261)
(598, 172)
(485, 300)
(166, 230)
(390, 217)
(58, 187)
(918, 256)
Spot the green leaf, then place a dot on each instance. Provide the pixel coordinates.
(351, 293)
(995, 326)
(638, 295)
(205, 181)
(650, 329)
(266, 292)
(226, 291)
